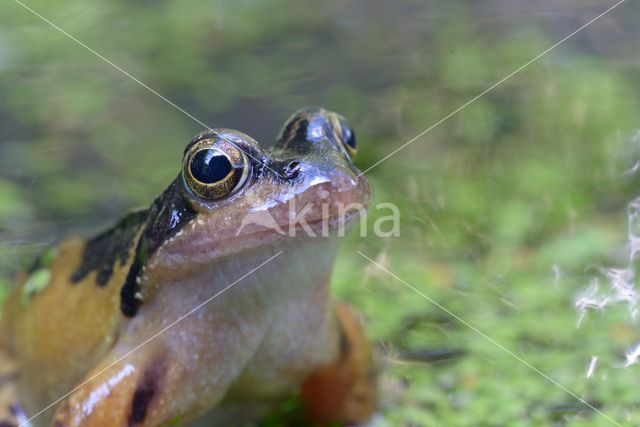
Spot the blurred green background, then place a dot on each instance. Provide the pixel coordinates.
(503, 207)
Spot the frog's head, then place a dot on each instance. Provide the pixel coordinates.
(233, 198)
(244, 195)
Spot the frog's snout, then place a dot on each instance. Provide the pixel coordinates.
(319, 147)
(330, 177)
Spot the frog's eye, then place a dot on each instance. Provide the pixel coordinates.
(348, 137)
(214, 169)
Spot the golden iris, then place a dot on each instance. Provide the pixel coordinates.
(215, 168)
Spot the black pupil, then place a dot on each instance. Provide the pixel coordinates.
(349, 136)
(210, 166)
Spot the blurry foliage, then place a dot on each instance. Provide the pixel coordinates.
(529, 176)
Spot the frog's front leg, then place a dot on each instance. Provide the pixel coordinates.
(345, 391)
(134, 391)
(171, 380)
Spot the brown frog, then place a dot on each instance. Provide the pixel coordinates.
(209, 307)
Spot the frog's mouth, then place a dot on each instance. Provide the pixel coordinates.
(323, 209)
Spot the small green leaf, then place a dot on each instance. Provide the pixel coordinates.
(35, 283)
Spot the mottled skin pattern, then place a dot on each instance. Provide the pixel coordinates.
(77, 326)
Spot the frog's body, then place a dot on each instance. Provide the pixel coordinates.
(205, 308)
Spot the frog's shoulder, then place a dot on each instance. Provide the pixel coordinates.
(59, 329)
(101, 253)
(67, 268)
(111, 260)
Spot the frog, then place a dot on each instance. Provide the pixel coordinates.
(209, 307)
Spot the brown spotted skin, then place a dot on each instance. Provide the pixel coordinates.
(112, 339)
(63, 331)
(133, 390)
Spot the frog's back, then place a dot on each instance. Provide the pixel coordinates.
(62, 316)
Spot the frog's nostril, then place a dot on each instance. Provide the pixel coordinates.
(292, 169)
